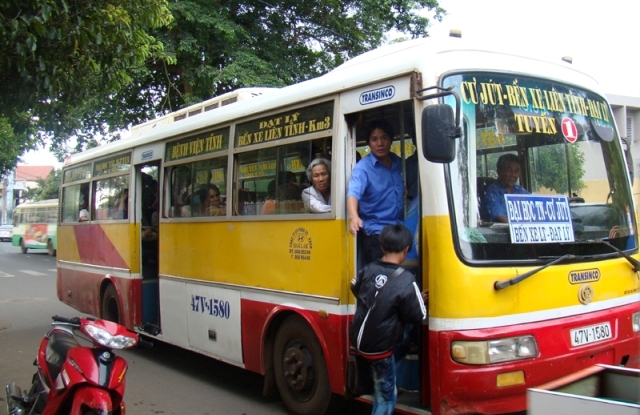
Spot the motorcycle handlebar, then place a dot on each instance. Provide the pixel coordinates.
(74, 321)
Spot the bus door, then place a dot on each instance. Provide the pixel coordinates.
(412, 370)
(147, 219)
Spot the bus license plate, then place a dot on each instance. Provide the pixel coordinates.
(591, 334)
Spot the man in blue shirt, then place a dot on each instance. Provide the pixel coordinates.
(508, 174)
(376, 190)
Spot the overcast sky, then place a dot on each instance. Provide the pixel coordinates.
(601, 36)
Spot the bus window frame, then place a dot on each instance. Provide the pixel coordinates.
(191, 161)
(317, 135)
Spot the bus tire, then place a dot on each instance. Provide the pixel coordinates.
(300, 368)
(111, 305)
(23, 248)
(50, 250)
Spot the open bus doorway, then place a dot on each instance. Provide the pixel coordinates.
(147, 218)
(412, 371)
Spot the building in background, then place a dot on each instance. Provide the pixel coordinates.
(626, 111)
(12, 186)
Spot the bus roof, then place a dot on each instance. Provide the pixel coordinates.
(386, 62)
(41, 203)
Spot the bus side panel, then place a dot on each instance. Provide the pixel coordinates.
(459, 388)
(86, 249)
(330, 331)
(82, 291)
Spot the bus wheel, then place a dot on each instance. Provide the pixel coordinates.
(50, 250)
(111, 305)
(23, 248)
(300, 369)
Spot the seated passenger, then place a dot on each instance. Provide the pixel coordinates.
(83, 216)
(269, 205)
(508, 167)
(288, 188)
(317, 197)
(213, 205)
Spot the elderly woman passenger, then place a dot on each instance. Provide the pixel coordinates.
(317, 197)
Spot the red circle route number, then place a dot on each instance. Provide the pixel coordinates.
(569, 130)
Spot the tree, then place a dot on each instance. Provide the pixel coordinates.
(83, 61)
(555, 162)
(47, 188)
(223, 45)
(12, 146)
(63, 59)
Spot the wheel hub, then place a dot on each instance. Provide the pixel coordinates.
(298, 369)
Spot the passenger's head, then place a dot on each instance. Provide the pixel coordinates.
(287, 177)
(212, 196)
(395, 238)
(319, 173)
(379, 136)
(508, 167)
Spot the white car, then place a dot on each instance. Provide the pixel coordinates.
(5, 232)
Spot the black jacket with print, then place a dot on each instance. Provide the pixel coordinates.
(378, 323)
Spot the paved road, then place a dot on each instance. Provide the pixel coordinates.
(162, 380)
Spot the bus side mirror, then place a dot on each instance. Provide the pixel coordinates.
(439, 131)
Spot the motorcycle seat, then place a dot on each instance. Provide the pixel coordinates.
(60, 342)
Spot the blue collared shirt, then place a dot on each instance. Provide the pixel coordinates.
(379, 191)
(494, 199)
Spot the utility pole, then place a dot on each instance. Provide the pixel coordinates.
(5, 185)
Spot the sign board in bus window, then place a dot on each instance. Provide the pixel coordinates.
(285, 125)
(294, 164)
(259, 169)
(77, 173)
(539, 219)
(491, 137)
(197, 145)
(114, 164)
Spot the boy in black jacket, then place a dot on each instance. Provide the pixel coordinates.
(388, 298)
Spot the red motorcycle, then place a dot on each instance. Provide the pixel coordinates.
(74, 378)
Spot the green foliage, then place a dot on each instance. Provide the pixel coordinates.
(223, 45)
(62, 59)
(90, 69)
(552, 166)
(12, 145)
(47, 188)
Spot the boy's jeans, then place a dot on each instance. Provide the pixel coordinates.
(384, 382)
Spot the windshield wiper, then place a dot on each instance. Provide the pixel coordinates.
(499, 285)
(634, 263)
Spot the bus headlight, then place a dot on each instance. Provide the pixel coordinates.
(635, 322)
(494, 351)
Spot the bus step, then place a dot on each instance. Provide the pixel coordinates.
(150, 329)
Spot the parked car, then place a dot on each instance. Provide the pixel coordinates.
(5, 232)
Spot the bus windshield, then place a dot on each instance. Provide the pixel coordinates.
(542, 171)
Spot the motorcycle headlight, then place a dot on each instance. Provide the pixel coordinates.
(106, 339)
(494, 351)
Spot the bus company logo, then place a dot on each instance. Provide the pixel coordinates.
(147, 155)
(569, 130)
(583, 276)
(376, 95)
(300, 245)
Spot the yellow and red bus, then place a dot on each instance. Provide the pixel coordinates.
(265, 285)
(35, 226)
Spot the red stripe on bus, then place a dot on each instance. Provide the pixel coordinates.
(95, 247)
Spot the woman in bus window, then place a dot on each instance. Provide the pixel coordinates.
(317, 197)
(213, 202)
